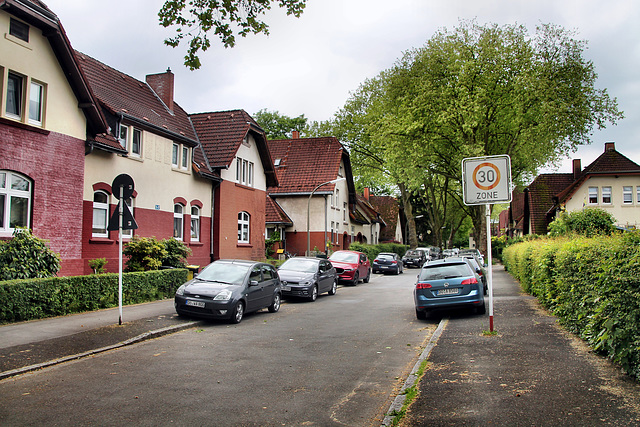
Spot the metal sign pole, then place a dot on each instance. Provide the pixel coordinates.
(120, 214)
(490, 267)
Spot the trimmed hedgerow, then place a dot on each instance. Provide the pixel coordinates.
(372, 251)
(28, 299)
(591, 284)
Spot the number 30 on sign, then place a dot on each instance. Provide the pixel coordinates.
(486, 180)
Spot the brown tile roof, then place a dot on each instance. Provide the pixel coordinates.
(121, 94)
(388, 208)
(221, 133)
(541, 197)
(305, 163)
(276, 215)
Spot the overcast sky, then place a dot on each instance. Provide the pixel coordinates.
(310, 65)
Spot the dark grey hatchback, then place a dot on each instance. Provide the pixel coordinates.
(227, 289)
(307, 277)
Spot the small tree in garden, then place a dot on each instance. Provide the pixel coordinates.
(177, 253)
(587, 222)
(26, 257)
(145, 253)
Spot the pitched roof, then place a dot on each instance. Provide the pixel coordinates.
(38, 15)
(304, 163)
(276, 215)
(221, 133)
(389, 209)
(541, 197)
(124, 96)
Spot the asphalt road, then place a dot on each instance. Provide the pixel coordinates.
(337, 361)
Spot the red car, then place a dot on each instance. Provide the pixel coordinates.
(351, 266)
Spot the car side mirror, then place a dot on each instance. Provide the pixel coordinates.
(253, 283)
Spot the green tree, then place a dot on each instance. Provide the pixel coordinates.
(278, 126)
(144, 253)
(588, 222)
(26, 256)
(195, 19)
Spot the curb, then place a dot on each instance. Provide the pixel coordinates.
(396, 406)
(142, 337)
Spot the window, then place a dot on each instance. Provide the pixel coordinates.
(606, 195)
(185, 157)
(122, 136)
(250, 175)
(337, 198)
(333, 224)
(15, 201)
(14, 96)
(36, 97)
(244, 172)
(195, 223)
(243, 227)
(593, 195)
(178, 221)
(100, 214)
(627, 195)
(344, 211)
(136, 143)
(175, 153)
(19, 30)
(638, 195)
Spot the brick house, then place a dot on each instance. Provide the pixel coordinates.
(611, 182)
(46, 113)
(234, 151)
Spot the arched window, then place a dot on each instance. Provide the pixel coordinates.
(243, 227)
(178, 221)
(195, 223)
(100, 214)
(15, 201)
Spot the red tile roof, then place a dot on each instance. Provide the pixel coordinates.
(121, 94)
(221, 133)
(388, 208)
(276, 215)
(541, 197)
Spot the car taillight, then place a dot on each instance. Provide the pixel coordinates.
(471, 281)
(423, 285)
(394, 262)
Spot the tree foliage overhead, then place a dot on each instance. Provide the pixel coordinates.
(195, 19)
(278, 126)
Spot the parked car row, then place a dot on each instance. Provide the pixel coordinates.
(228, 289)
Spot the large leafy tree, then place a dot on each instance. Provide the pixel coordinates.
(195, 19)
(279, 126)
(483, 90)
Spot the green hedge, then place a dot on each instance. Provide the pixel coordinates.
(372, 251)
(591, 284)
(29, 299)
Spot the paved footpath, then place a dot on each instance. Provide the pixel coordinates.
(532, 373)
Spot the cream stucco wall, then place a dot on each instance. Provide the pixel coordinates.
(36, 60)
(248, 151)
(625, 214)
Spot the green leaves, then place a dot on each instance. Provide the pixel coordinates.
(26, 256)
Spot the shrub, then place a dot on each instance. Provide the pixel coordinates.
(372, 251)
(587, 222)
(177, 253)
(145, 253)
(98, 265)
(26, 256)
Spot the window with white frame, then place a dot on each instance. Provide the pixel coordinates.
(606, 195)
(185, 157)
(344, 211)
(244, 220)
(36, 102)
(593, 195)
(638, 194)
(15, 201)
(337, 198)
(13, 106)
(136, 143)
(123, 131)
(627, 195)
(244, 172)
(195, 223)
(100, 214)
(175, 153)
(178, 221)
(23, 99)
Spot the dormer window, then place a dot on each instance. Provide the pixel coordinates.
(277, 162)
(19, 30)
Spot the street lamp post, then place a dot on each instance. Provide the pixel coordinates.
(333, 181)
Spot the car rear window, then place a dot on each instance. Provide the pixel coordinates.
(446, 271)
(384, 256)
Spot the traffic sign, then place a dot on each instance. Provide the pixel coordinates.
(486, 180)
(125, 182)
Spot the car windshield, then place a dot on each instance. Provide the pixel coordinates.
(344, 257)
(300, 264)
(412, 253)
(224, 272)
(447, 271)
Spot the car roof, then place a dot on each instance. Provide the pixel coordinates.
(350, 252)
(387, 253)
(240, 262)
(308, 258)
(445, 261)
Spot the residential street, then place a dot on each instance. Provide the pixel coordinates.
(337, 361)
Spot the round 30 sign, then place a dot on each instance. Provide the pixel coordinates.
(486, 180)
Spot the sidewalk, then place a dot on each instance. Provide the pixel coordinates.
(532, 373)
(32, 345)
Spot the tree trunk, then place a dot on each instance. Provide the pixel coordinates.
(478, 217)
(408, 212)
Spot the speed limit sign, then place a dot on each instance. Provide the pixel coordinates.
(486, 180)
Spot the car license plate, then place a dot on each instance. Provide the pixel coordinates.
(383, 266)
(199, 304)
(452, 291)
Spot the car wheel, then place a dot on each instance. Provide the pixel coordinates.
(275, 305)
(421, 315)
(314, 293)
(238, 313)
(356, 278)
(366, 279)
(334, 288)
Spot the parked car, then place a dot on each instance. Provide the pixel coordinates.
(474, 252)
(475, 266)
(307, 277)
(447, 283)
(351, 266)
(227, 289)
(387, 262)
(414, 258)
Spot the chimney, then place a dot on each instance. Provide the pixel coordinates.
(577, 169)
(609, 146)
(162, 85)
(366, 193)
(295, 134)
